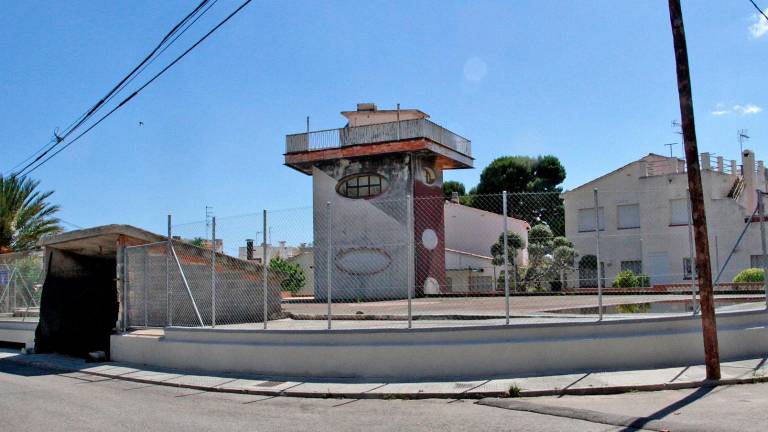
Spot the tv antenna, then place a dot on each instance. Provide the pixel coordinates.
(742, 137)
(670, 145)
(677, 127)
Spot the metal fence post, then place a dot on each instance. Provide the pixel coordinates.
(168, 291)
(410, 278)
(125, 289)
(213, 271)
(506, 258)
(690, 254)
(329, 265)
(761, 212)
(144, 284)
(264, 264)
(597, 256)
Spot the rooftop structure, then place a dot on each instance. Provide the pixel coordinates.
(373, 132)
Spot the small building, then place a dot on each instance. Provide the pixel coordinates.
(102, 279)
(363, 175)
(643, 216)
(81, 300)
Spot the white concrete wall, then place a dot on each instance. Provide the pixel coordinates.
(22, 332)
(458, 265)
(443, 353)
(468, 229)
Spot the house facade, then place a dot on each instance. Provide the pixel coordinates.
(469, 235)
(643, 216)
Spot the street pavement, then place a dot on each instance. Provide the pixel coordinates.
(34, 399)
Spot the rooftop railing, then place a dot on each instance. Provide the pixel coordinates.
(377, 133)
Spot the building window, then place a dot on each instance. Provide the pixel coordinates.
(635, 266)
(678, 211)
(587, 219)
(687, 268)
(361, 186)
(756, 261)
(629, 216)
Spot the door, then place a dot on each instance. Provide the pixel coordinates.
(659, 269)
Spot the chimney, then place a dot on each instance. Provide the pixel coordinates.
(366, 107)
(249, 249)
(455, 197)
(748, 175)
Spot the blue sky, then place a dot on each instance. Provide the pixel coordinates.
(591, 82)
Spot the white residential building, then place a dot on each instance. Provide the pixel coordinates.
(643, 214)
(469, 235)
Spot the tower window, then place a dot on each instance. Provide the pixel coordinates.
(362, 186)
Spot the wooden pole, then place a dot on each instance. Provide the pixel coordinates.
(703, 269)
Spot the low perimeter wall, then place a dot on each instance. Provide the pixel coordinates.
(21, 332)
(441, 353)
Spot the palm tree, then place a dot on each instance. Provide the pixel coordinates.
(25, 215)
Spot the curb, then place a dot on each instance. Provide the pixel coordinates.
(608, 390)
(628, 422)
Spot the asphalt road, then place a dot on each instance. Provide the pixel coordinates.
(33, 399)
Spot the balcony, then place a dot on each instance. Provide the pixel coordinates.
(376, 134)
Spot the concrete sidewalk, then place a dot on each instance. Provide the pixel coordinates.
(735, 372)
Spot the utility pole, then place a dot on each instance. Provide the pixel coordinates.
(703, 269)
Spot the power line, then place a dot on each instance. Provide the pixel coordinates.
(758, 9)
(40, 153)
(137, 91)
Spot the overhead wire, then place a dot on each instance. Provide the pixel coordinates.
(159, 48)
(137, 91)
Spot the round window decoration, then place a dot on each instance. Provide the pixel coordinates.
(429, 239)
(363, 261)
(431, 286)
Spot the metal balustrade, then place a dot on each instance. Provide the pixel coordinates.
(377, 133)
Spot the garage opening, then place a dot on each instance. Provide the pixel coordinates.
(80, 305)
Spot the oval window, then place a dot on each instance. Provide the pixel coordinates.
(362, 185)
(363, 261)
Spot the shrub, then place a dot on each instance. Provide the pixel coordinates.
(749, 275)
(293, 275)
(625, 279)
(643, 280)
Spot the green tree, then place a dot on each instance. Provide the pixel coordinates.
(197, 241)
(515, 243)
(451, 186)
(25, 214)
(293, 275)
(533, 187)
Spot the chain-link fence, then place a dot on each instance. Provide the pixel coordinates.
(21, 285)
(436, 260)
(179, 284)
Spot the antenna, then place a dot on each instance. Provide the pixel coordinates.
(670, 145)
(742, 137)
(677, 127)
(208, 215)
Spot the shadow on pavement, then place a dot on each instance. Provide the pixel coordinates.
(669, 409)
